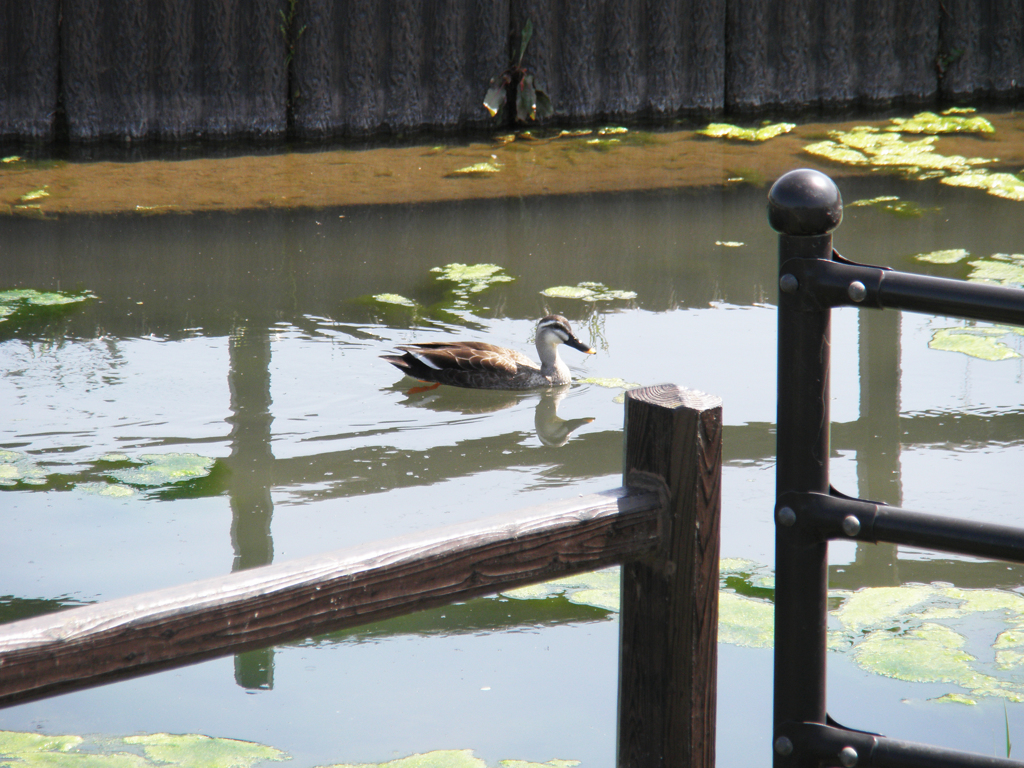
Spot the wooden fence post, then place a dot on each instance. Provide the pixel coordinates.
(669, 621)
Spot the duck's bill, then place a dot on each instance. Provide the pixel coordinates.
(575, 343)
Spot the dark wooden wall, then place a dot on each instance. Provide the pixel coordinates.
(225, 69)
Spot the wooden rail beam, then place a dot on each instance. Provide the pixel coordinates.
(137, 635)
(669, 623)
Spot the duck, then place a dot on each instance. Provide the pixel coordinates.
(479, 365)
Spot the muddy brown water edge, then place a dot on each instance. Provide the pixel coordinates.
(527, 165)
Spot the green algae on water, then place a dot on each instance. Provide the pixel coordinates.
(950, 121)
(956, 698)
(977, 342)
(588, 291)
(165, 468)
(112, 490)
(473, 278)
(999, 269)
(949, 256)
(456, 758)
(611, 383)
(33, 195)
(890, 631)
(599, 589)
(165, 750)
(394, 298)
(906, 209)
(868, 146)
(22, 303)
(1004, 185)
(441, 758)
(16, 745)
(477, 170)
(159, 749)
(745, 621)
(17, 468)
(735, 132)
(931, 653)
(197, 751)
(886, 149)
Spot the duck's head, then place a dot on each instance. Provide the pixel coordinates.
(554, 330)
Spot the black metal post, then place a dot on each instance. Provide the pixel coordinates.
(804, 206)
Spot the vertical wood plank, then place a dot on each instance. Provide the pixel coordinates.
(669, 622)
(747, 38)
(29, 49)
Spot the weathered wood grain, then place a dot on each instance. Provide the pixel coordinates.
(250, 609)
(669, 623)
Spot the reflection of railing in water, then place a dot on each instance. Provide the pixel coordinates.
(663, 527)
(804, 207)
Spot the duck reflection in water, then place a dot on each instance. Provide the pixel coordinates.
(551, 428)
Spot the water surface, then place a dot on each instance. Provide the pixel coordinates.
(252, 338)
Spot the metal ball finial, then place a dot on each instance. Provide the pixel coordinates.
(804, 202)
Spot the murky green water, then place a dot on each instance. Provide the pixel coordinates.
(252, 339)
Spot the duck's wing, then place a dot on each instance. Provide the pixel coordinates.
(462, 364)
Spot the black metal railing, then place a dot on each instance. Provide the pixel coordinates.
(804, 207)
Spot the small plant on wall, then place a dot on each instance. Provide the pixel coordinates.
(517, 86)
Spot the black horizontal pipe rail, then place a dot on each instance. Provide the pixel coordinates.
(804, 207)
(837, 517)
(827, 283)
(832, 745)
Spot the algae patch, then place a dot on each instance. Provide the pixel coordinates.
(886, 148)
(475, 171)
(907, 209)
(112, 490)
(33, 195)
(456, 758)
(745, 621)
(165, 750)
(948, 256)
(931, 653)
(871, 147)
(915, 633)
(158, 749)
(588, 291)
(980, 342)
(24, 303)
(394, 298)
(999, 269)
(197, 751)
(613, 383)
(950, 121)
(473, 278)
(17, 468)
(737, 133)
(164, 468)
(1005, 185)
(599, 589)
